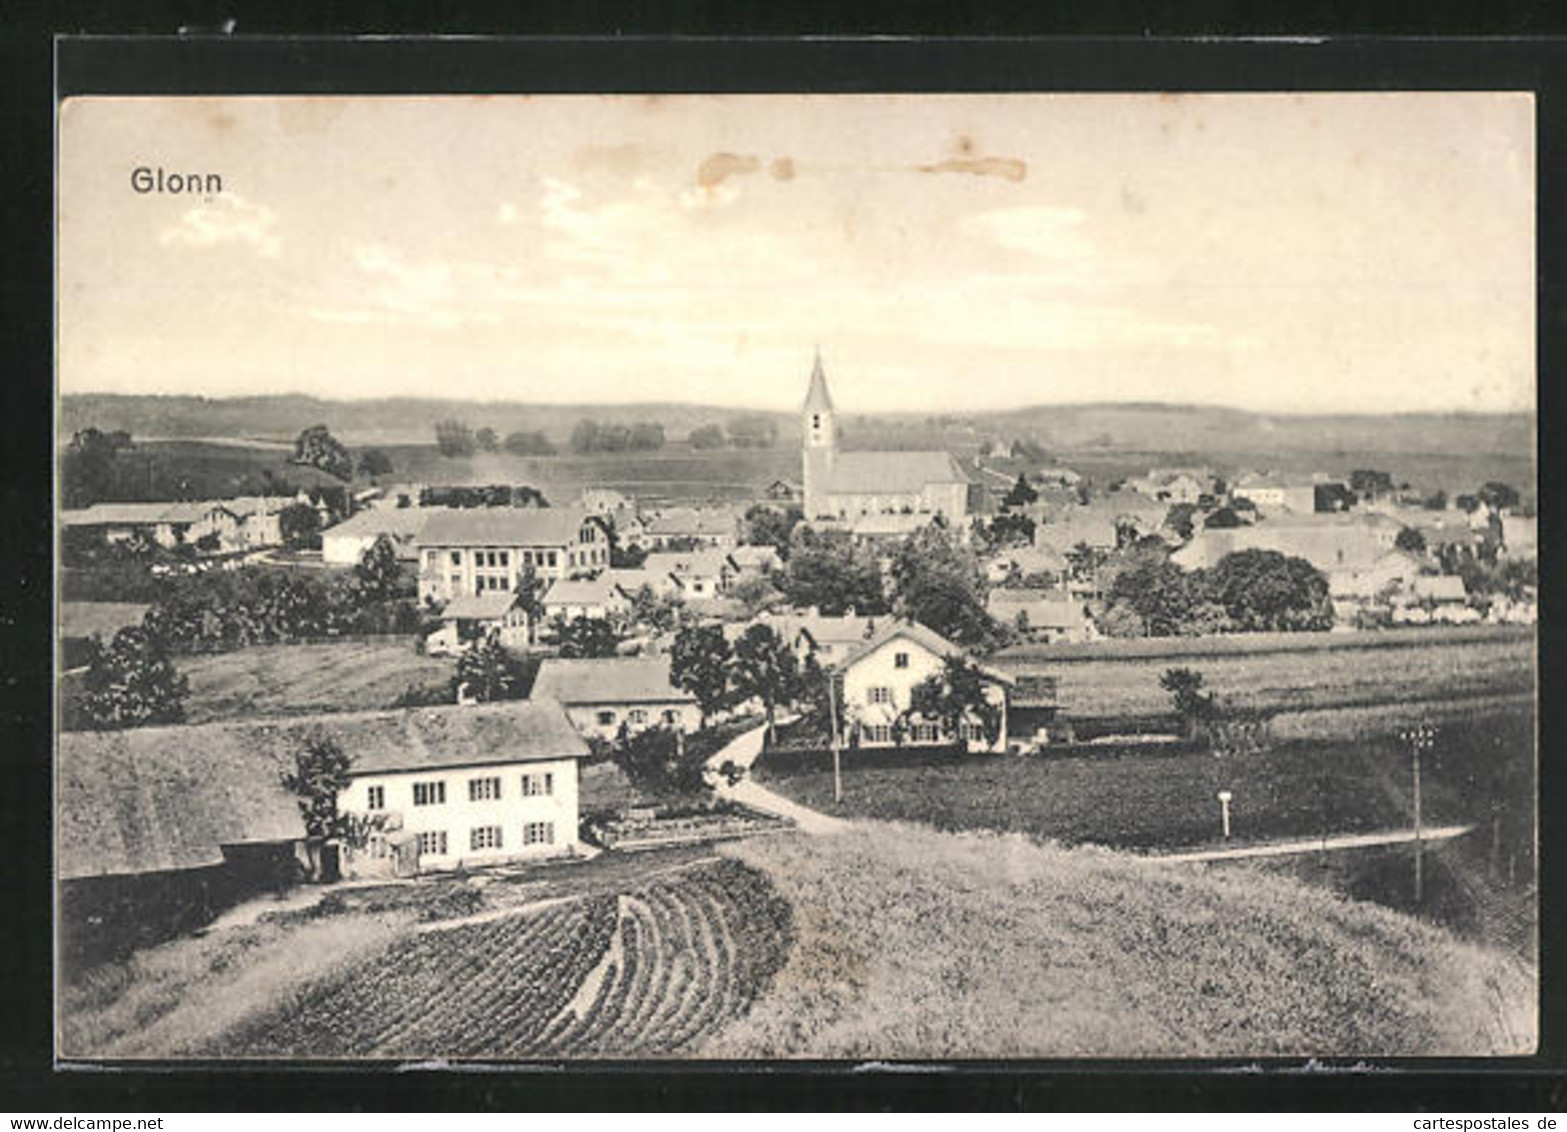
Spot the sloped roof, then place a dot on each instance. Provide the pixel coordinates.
(114, 514)
(610, 680)
(844, 630)
(895, 628)
(755, 556)
(630, 581)
(701, 562)
(491, 605)
(1440, 587)
(871, 473)
(817, 398)
(505, 526)
(582, 591)
(105, 618)
(692, 521)
(155, 798)
(394, 522)
(1065, 533)
(1043, 611)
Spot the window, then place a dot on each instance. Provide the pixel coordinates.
(879, 733)
(605, 718)
(538, 833)
(484, 789)
(970, 731)
(432, 559)
(527, 558)
(538, 785)
(456, 581)
(671, 715)
(375, 798)
(432, 843)
(456, 558)
(505, 558)
(554, 558)
(925, 733)
(900, 660)
(878, 695)
(429, 793)
(638, 715)
(484, 837)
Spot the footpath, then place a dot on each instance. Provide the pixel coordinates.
(1316, 844)
(742, 751)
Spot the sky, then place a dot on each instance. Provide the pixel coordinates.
(1281, 253)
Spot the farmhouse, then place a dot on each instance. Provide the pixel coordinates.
(1077, 527)
(753, 560)
(1025, 562)
(488, 548)
(1046, 617)
(828, 639)
(713, 527)
(345, 544)
(159, 828)
(238, 524)
(598, 598)
(880, 675)
(1273, 493)
(603, 695)
(468, 618)
(853, 485)
(700, 575)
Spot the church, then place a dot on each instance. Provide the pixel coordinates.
(873, 492)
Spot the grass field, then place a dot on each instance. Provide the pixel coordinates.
(302, 679)
(916, 943)
(1320, 671)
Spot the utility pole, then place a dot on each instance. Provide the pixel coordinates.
(832, 709)
(1420, 739)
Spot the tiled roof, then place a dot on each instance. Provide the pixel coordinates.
(703, 563)
(610, 680)
(677, 521)
(505, 526)
(894, 628)
(491, 605)
(394, 522)
(817, 398)
(582, 591)
(894, 473)
(154, 798)
(1042, 610)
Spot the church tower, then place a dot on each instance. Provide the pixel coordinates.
(819, 441)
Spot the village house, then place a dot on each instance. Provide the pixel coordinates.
(1026, 562)
(157, 829)
(1077, 527)
(716, 528)
(1040, 615)
(1330, 542)
(601, 696)
(784, 491)
(701, 575)
(851, 486)
(488, 548)
(598, 598)
(467, 619)
(165, 524)
(1373, 588)
(630, 582)
(345, 543)
(754, 561)
(1173, 485)
(602, 501)
(810, 634)
(879, 677)
(1273, 493)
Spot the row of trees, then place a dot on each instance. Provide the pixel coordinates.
(592, 436)
(1248, 591)
(485, 495)
(755, 431)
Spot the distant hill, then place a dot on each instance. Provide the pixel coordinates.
(1150, 428)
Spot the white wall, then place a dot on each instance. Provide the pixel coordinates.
(458, 816)
(584, 717)
(880, 669)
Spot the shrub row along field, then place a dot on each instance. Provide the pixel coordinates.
(1481, 765)
(646, 972)
(915, 943)
(296, 679)
(1429, 665)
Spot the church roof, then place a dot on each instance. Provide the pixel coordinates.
(817, 398)
(870, 473)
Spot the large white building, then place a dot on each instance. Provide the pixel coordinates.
(851, 486)
(488, 548)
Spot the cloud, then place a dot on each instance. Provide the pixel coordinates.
(227, 219)
(433, 294)
(1038, 230)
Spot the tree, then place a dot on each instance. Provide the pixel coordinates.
(1179, 519)
(1224, 518)
(528, 444)
(647, 436)
(1262, 590)
(1154, 588)
(490, 672)
(1192, 704)
(763, 667)
(88, 474)
(754, 592)
(772, 526)
(300, 526)
(1436, 501)
(658, 759)
(1329, 497)
(585, 637)
(706, 437)
(699, 663)
(938, 583)
(454, 439)
(753, 431)
(1084, 561)
(1411, 540)
(320, 774)
(1468, 504)
(585, 437)
(374, 462)
(955, 695)
(1366, 482)
(316, 447)
(829, 572)
(486, 439)
(626, 557)
(525, 495)
(131, 683)
(1499, 496)
(1021, 494)
(379, 575)
(656, 611)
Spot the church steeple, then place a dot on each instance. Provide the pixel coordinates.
(818, 439)
(817, 398)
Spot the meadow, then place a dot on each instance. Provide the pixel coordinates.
(915, 943)
(360, 675)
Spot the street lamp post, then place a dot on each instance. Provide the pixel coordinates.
(832, 708)
(1419, 739)
(1224, 811)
